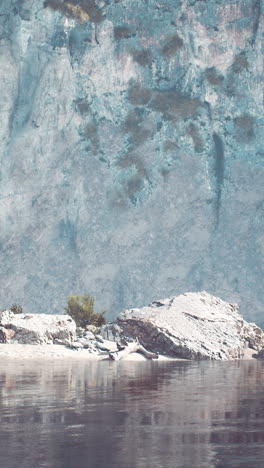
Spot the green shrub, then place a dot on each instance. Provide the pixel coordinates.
(17, 309)
(81, 309)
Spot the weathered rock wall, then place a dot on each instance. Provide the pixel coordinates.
(131, 149)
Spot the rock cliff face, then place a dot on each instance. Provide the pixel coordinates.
(131, 146)
(190, 326)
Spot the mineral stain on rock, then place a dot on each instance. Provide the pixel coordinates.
(91, 134)
(141, 124)
(174, 105)
(193, 131)
(172, 45)
(213, 76)
(123, 32)
(219, 169)
(138, 95)
(142, 57)
(256, 8)
(240, 63)
(82, 10)
(244, 127)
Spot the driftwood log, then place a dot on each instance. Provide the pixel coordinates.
(133, 347)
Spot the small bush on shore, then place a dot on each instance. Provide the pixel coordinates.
(16, 309)
(81, 309)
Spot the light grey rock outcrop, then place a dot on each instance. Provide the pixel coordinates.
(94, 344)
(192, 326)
(38, 328)
(76, 345)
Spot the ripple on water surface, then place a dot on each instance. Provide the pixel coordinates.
(131, 414)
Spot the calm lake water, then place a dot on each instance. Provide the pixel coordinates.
(131, 414)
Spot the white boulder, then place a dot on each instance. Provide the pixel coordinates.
(38, 328)
(191, 326)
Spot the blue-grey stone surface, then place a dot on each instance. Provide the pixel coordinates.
(132, 156)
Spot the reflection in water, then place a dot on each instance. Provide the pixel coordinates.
(131, 414)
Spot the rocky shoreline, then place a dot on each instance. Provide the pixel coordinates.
(191, 326)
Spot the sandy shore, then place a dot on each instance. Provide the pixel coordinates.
(27, 351)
